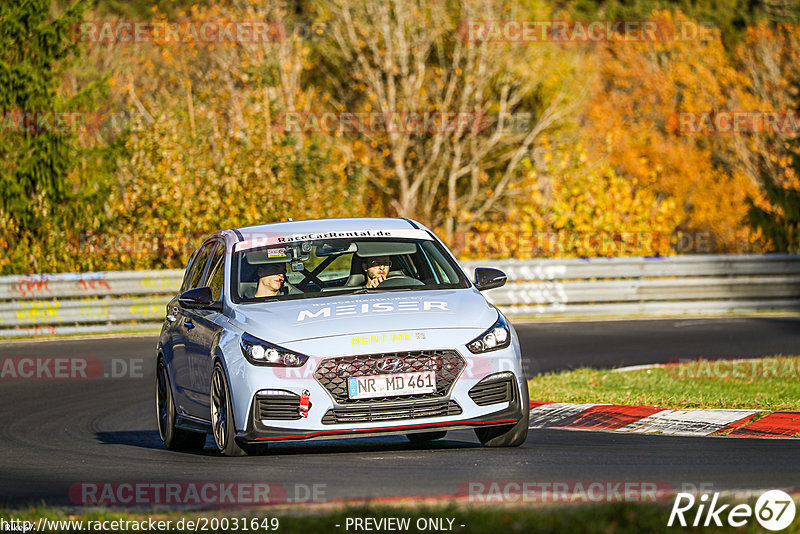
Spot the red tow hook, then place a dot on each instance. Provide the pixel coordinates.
(305, 404)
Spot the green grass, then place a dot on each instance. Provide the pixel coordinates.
(766, 384)
(491, 519)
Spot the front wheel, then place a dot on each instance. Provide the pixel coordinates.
(172, 437)
(509, 435)
(222, 423)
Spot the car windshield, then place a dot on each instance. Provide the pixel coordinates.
(327, 267)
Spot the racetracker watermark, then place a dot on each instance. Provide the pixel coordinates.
(774, 510)
(52, 122)
(476, 367)
(201, 524)
(207, 493)
(69, 122)
(736, 122)
(582, 31)
(727, 369)
(563, 491)
(69, 368)
(183, 244)
(178, 32)
(493, 243)
(137, 243)
(602, 243)
(403, 122)
(88, 285)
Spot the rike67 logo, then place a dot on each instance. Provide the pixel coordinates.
(774, 510)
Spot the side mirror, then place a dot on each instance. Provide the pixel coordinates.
(487, 278)
(199, 298)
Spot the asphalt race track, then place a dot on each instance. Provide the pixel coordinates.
(551, 346)
(55, 434)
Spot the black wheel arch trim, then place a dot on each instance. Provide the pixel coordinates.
(195, 424)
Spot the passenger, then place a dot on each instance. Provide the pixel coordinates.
(270, 279)
(376, 270)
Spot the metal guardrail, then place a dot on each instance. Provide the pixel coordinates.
(647, 286)
(78, 303)
(73, 303)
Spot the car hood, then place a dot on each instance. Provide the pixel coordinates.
(296, 320)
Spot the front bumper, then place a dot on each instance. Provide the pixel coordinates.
(332, 414)
(507, 413)
(258, 433)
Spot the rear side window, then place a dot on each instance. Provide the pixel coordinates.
(216, 272)
(200, 263)
(187, 276)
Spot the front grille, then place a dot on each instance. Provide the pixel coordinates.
(333, 373)
(492, 390)
(390, 412)
(285, 407)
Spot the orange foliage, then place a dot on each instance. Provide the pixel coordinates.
(631, 120)
(769, 58)
(586, 211)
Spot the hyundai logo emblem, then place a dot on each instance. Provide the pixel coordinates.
(389, 365)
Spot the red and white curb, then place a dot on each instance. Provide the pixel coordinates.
(655, 420)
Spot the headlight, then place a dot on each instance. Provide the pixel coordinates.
(260, 352)
(497, 337)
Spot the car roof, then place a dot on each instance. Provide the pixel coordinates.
(345, 224)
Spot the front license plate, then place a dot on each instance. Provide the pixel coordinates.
(365, 387)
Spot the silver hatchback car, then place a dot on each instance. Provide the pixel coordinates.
(329, 328)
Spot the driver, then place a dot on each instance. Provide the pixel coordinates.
(376, 270)
(270, 279)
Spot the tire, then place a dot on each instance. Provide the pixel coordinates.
(222, 423)
(424, 437)
(508, 435)
(173, 438)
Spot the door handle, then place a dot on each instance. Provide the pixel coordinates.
(188, 324)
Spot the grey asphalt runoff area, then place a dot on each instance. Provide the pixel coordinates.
(57, 434)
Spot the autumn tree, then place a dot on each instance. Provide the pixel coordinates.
(769, 58)
(777, 214)
(775, 209)
(403, 57)
(733, 18)
(35, 154)
(634, 119)
(205, 152)
(767, 151)
(587, 210)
